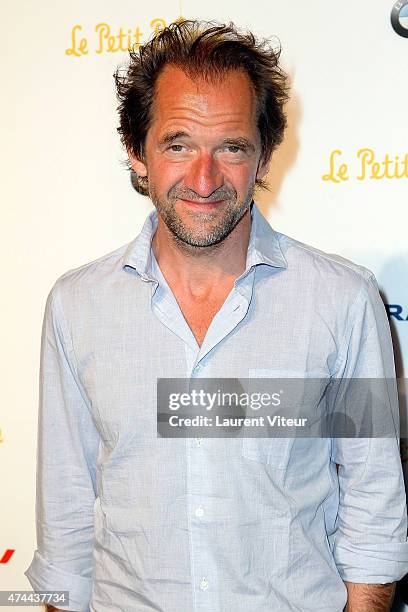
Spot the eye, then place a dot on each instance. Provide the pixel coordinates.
(177, 148)
(233, 149)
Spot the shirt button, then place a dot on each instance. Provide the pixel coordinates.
(204, 584)
(199, 512)
(199, 441)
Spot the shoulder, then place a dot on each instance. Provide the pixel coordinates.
(344, 294)
(90, 278)
(333, 271)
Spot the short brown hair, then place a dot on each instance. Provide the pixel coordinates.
(207, 50)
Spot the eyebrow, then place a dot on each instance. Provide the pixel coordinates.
(170, 137)
(242, 142)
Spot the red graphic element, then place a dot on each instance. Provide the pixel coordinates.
(7, 555)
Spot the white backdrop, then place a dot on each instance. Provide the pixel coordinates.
(66, 198)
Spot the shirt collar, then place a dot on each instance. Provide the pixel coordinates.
(263, 246)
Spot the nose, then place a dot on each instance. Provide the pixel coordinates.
(204, 175)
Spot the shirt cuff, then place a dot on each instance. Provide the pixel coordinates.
(46, 577)
(371, 563)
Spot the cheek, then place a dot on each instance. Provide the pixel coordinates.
(165, 175)
(240, 177)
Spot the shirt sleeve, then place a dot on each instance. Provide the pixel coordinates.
(370, 541)
(67, 447)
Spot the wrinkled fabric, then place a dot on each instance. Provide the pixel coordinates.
(129, 521)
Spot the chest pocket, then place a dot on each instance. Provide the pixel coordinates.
(273, 451)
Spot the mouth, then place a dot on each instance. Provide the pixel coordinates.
(209, 205)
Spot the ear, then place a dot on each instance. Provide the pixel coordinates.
(137, 165)
(263, 169)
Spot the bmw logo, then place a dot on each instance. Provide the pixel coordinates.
(399, 18)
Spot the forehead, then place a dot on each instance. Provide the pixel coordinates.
(228, 101)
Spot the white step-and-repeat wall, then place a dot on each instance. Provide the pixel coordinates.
(339, 182)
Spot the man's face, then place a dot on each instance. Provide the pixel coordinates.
(202, 154)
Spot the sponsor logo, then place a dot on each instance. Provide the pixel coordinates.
(399, 18)
(366, 164)
(397, 312)
(108, 38)
(7, 555)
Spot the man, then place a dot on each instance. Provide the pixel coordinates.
(127, 520)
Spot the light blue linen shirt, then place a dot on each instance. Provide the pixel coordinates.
(128, 521)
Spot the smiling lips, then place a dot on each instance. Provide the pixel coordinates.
(210, 204)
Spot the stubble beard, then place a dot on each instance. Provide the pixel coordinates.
(207, 229)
